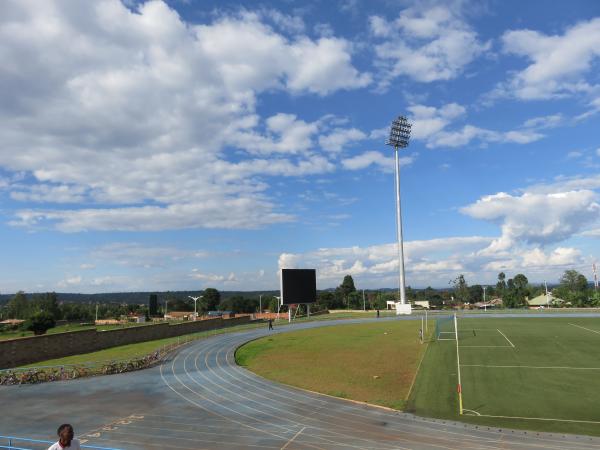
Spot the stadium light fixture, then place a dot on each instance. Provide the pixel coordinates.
(195, 300)
(399, 138)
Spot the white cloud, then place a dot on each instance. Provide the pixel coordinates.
(536, 218)
(425, 44)
(433, 262)
(431, 124)
(339, 138)
(384, 163)
(136, 254)
(285, 133)
(558, 63)
(224, 213)
(133, 116)
(70, 281)
(542, 122)
(210, 277)
(46, 193)
(284, 22)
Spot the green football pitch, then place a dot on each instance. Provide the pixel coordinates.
(533, 373)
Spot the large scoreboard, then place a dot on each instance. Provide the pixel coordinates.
(298, 286)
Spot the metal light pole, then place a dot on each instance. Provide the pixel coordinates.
(278, 305)
(260, 303)
(195, 300)
(484, 303)
(399, 137)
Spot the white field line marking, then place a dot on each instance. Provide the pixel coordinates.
(470, 410)
(486, 346)
(460, 409)
(540, 418)
(292, 439)
(531, 367)
(513, 345)
(584, 328)
(416, 372)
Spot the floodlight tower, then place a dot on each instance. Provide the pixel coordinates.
(399, 137)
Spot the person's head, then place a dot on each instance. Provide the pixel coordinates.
(65, 433)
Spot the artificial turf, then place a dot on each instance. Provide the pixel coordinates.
(529, 370)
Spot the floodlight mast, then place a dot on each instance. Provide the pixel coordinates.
(399, 137)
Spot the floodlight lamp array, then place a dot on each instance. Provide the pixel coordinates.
(399, 133)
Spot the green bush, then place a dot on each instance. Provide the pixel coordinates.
(39, 323)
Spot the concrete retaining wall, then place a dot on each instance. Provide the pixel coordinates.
(29, 350)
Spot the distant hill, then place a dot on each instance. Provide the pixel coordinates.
(137, 297)
(142, 297)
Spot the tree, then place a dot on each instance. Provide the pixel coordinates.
(328, 300)
(239, 304)
(501, 284)
(49, 303)
(573, 288)
(210, 300)
(40, 322)
(517, 289)
(347, 286)
(461, 289)
(355, 300)
(475, 293)
(153, 305)
(18, 306)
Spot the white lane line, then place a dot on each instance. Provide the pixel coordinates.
(513, 345)
(530, 367)
(293, 439)
(207, 353)
(584, 328)
(203, 407)
(268, 400)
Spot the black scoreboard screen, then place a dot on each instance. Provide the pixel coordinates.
(298, 286)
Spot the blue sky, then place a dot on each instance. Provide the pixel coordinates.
(185, 145)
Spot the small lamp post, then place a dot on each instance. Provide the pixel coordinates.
(195, 301)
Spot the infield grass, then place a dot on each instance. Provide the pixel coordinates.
(374, 362)
(537, 373)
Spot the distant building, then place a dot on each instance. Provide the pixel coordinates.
(12, 322)
(493, 303)
(180, 315)
(543, 300)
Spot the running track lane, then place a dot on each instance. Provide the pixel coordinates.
(200, 399)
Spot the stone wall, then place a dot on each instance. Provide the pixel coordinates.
(29, 350)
